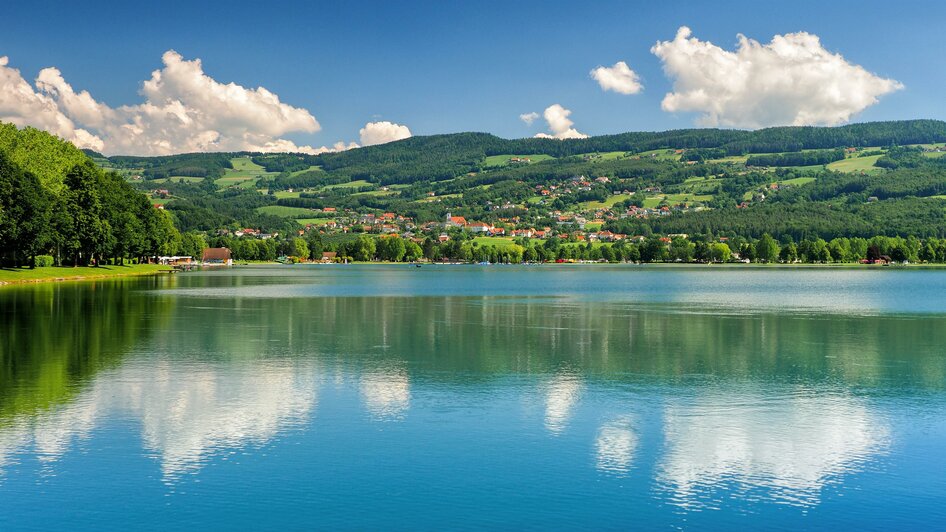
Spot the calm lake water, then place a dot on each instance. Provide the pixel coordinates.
(555, 397)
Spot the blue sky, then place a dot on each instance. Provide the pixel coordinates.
(442, 67)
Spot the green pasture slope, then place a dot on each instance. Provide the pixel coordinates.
(245, 173)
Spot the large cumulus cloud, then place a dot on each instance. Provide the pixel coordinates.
(382, 132)
(793, 80)
(559, 124)
(184, 110)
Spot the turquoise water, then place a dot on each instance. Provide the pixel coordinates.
(467, 396)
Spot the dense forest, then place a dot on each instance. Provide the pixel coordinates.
(57, 206)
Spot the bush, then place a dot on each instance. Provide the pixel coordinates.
(43, 261)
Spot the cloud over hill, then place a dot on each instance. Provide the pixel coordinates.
(793, 80)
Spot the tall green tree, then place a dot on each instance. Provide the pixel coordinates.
(766, 249)
(24, 213)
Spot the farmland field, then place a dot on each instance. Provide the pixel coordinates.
(314, 221)
(503, 160)
(856, 164)
(673, 199)
(244, 174)
(607, 203)
(286, 212)
(797, 181)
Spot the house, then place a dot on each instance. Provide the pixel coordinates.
(175, 260)
(455, 221)
(329, 256)
(443, 237)
(479, 227)
(219, 256)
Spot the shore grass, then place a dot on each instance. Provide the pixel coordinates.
(38, 275)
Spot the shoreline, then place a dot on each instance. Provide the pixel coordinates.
(81, 273)
(728, 265)
(87, 273)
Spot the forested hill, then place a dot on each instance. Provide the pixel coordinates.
(440, 157)
(473, 146)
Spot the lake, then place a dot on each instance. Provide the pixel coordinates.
(552, 396)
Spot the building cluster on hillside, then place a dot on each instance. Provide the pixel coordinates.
(558, 208)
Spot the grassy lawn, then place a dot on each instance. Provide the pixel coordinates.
(313, 168)
(25, 275)
(231, 180)
(933, 154)
(244, 166)
(798, 181)
(732, 159)
(605, 155)
(430, 199)
(606, 204)
(703, 186)
(314, 221)
(375, 193)
(660, 155)
(495, 241)
(244, 174)
(280, 194)
(159, 201)
(674, 199)
(285, 212)
(350, 184)
(503, 160)
(856, 164)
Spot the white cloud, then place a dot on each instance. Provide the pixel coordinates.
(559, 124)
(792, 80)
(23, 106)
(618, 78)
(528, 118)
(382, 132)
(184, 110)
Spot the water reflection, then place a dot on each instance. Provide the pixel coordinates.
(791, 444)
(186, 412)
(615, 446)
(562, 393)
(387, 394)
